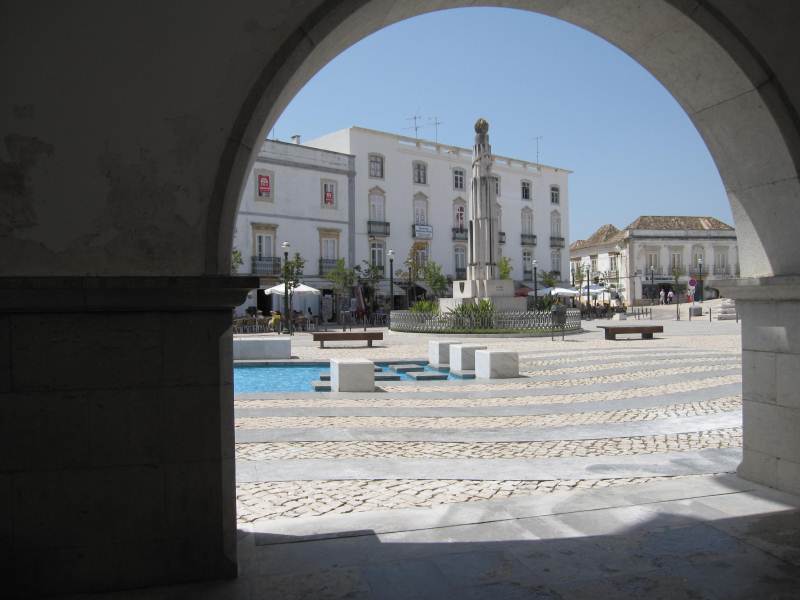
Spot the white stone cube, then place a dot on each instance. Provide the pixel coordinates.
(439, 353)
(462, 356)
(496, 364)
(352, 375)
(259, 348)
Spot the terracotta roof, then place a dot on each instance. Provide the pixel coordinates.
(688, 223)
(604, 235)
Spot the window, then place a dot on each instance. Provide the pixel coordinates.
(593, 264)
(458, 179)
(460, 253)
(555, 195)
(459, 215)
(676, 261)
(329, 248)
(721, 259)
(422, 254)
(377, 206)
(652, 261)
(698, 256)
(421, 211)
(376, 166)
(328, 193)
(497, 186)
(612, 263)
(555, 260)
(527, 260)
(264, 245)
(420, 172)
(376, 253)
(555, 224)
(265, 185)
(526, 190)
(527, 221)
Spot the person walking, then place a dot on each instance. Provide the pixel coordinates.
(670, 297)
(661, 296)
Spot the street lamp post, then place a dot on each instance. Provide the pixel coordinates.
(535, 288)
(700, 286)
(652, 280)
(588, 301)
(390, 254)
(287, 310)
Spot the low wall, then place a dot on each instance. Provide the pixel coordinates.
(530, 322)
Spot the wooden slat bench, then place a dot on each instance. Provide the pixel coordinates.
(647, 331)
(343, 336)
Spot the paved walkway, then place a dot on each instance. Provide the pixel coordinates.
(589, 413)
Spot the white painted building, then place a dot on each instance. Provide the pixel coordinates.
(409, 190)
(651, 252)
(299, 195)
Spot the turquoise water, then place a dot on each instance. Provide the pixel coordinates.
(289, 378)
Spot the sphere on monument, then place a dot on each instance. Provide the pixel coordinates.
(481, 126)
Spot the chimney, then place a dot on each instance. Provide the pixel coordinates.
(296, 138)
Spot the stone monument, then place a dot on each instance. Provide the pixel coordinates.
(484, 248)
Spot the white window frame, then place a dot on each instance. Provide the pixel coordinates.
(327, 184)
(327, 242)
(527, 260)
(555, 224)
(527, 221)
(419, 172)
(420, 217)
(377, 249)
(555, 260)
(381, 160)
(372, 212)
(460, 251)
(459, 207)
(525, 187)
(459, 177)
(555, 194)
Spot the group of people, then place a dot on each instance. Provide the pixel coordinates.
(665, 297)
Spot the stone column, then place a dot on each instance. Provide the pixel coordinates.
(769, 308)
(116, 431)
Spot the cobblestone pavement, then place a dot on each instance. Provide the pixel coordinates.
(271, 500)
(617, 446)
(584, 368)
(691, 409)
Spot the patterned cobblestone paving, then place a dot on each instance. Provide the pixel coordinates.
(616, 446)
(273, 500)
(690, 409)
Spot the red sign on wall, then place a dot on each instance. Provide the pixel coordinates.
(264, 185)
(328, 197)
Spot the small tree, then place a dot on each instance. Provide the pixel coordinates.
(342, 279)
(434, 278)
(549, 278)
(413, 265)
(504, 268)
(236, 260)
(292, 274)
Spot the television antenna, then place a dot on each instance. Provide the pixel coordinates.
(435, 122)
(415, 118)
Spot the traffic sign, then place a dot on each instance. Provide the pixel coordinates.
(692, 282)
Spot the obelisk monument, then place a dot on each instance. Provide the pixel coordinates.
(484, 240)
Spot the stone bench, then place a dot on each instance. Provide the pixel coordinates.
(439, 353)
(342, 336)
(647, 331)
(261, 348)
(496, 364)
(352, 375)
(462, 357)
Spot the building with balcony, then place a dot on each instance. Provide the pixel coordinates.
(658, 252)
(303, 196)
(410, 191)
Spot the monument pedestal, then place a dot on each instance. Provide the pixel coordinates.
(499, 291)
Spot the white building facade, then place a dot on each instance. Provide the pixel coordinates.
(303, 196)
(658, 252)
(409, 190)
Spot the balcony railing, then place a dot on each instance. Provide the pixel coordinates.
(461, 273)
(677, 270)
(527, 239)
(326, 265)
(721, 270)
(527, 275)
(377, 228)
(501, 237)
(556, 242)
(266, 265)
(459, 233)
(656, 271)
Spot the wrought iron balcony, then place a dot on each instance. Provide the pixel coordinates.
(501, 237)
(377, 228)
(528, 239)
(461, 273)
(677, 270)
(556, 241)
(326, 265)
(266, 265)
(721, 270)
(459, 233)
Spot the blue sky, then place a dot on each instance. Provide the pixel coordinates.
(632, 148)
